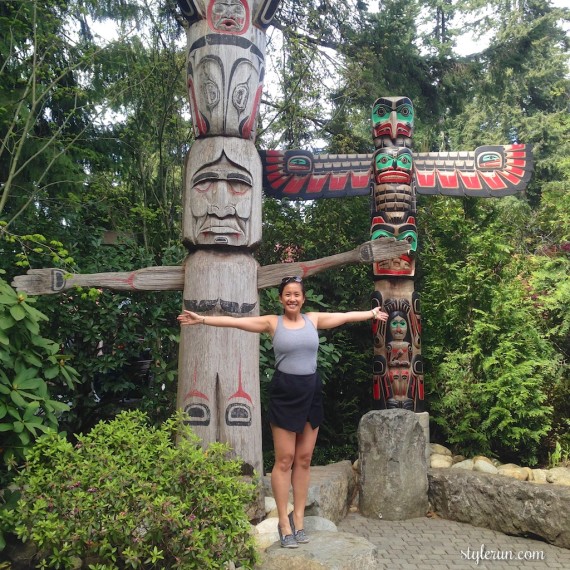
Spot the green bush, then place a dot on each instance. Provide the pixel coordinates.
(133, 496)
(31, 367)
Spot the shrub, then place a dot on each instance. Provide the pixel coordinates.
(31, 367)
(128, 496)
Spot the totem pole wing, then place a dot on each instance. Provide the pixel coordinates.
(301, 175)
(489, 171)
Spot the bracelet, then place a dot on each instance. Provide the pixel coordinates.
(373, 314)
(203, 320)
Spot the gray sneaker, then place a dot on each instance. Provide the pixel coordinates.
(300, 535)
(287, 541)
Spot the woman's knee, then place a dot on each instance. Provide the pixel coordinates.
(284, 461)
(303, 459)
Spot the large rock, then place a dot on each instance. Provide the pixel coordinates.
(393, 470)
(326, 551)
(558, 476)
(440, 461)
(266, 534)
(331, 489)
(503, 504)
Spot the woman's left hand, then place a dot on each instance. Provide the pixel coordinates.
(379, 315)
(190, 318)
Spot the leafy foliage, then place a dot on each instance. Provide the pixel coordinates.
(132, 496)
(32, 368)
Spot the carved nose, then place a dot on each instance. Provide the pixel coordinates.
(219, 204)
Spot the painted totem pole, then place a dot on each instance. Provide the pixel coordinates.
(218, 382)
(398, 380)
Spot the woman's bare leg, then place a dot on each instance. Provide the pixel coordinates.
(301, 474)
(284, 444)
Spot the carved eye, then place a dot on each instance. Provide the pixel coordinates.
(202, 187)
(240, 97)
(212, 94)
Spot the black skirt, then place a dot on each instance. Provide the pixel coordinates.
(295, 400)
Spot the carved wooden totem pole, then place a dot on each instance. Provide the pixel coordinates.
(398, 380)
(218, 379)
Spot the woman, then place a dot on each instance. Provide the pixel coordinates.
(295, 396)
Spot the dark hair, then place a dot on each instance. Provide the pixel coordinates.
(293, 279)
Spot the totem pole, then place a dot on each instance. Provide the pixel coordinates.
(218, 374)
(392, 176)
(398, 380)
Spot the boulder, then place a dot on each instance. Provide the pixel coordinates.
(558, 476)
(439, 461)
(393, 471)
(514, 471)
(538, 476)
(466, 464)
(266, 534)
(326, 551)
(502, 504)
(439, 449)
(484, 465)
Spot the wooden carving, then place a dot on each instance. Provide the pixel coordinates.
(486, 172)
(397, 365)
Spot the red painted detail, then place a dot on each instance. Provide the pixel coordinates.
(316, 183)
(197, 117)
(295, 184)
(515, 180)
(516, 162)
(195, 393)
(241, 393)
(425, 178)
(376, 387)
(307, 268)
(338, 182)
(359, 180)
(277, 179)
(421, 387)
(493, 180)
(471, 180)
(248, 126)
(273, 156)
(448, 178)
(516, 155)
(517, 171)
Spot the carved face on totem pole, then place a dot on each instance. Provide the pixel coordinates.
(224, 202)
(392, 121)
(403, 230)
(225, 71)
(228, 16)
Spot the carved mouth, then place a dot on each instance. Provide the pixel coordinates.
(393, 178)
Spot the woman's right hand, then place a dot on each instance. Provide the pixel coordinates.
(190, 318)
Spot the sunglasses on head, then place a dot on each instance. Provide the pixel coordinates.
(294, 279)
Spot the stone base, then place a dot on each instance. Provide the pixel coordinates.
(393, 470)
(326, 551)
(519, 508)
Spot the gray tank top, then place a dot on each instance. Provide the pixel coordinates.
(296, 349)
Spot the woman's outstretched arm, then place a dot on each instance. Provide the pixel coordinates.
(264, 324)
(332, 320)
